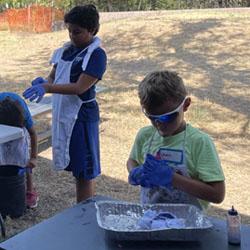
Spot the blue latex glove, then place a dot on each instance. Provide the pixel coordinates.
(23, 170)
(38, 80)
(158, 172)
(137, 177)
(36, 91)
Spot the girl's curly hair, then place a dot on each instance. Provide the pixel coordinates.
(12, 113)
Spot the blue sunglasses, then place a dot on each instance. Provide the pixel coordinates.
(167, 117)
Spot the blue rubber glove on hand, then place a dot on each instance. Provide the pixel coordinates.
(158, 172)
(137, 177)
(38, 80)
(36, 91)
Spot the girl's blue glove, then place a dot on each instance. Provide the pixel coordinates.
(36, 91)
(158, 172)
(137, 177)
(38, 80)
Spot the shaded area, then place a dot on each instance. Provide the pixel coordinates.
(186, 61)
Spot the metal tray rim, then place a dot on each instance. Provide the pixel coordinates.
(97, 203)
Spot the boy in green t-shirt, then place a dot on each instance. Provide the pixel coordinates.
(171, 160)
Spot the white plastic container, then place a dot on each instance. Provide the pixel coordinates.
(233, 227)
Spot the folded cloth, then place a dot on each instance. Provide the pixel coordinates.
(165, 215)
(162, 220)
(175, 223)
(146, 220)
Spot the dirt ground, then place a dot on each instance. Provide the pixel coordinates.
(209, 49)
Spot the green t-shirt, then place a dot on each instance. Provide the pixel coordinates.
(201, 156)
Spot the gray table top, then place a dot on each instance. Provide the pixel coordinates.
(77, 228)
(9, 133)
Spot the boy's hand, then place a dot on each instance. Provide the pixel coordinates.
(158, 172)
(137, 177)
(38, 80)
(36, 91)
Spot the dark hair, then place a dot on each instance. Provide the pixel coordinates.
(12, 113)
(85, 16)
(161, 86)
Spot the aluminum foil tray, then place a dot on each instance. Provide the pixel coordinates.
(119, 220)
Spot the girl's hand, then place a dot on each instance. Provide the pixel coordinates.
(38, 80)
(36, 91)
(31, 163)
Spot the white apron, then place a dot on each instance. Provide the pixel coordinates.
(161, 194)
(15, 152)
(66, 107)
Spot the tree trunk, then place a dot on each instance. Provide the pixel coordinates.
(179, 4)
(153, 4)
(109, 5)
(139, 5)
(220, 3)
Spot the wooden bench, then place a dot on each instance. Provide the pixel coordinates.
(37, 109)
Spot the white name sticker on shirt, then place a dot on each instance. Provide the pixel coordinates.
(171, 155)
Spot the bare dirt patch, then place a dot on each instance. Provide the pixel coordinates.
(209, 49)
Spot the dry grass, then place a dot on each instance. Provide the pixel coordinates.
(209, 49)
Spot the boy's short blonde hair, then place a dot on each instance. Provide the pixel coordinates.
(161, 86)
